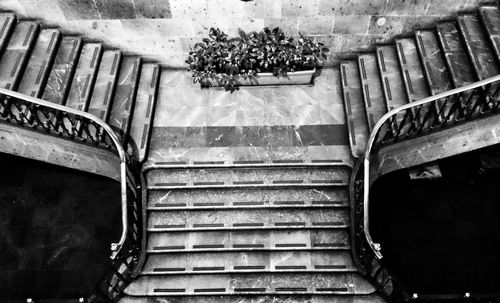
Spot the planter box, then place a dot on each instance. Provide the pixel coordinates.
(295, 78)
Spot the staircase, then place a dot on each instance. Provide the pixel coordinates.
(246, 232)
(431, 61)
(82, 75)
(249, 231)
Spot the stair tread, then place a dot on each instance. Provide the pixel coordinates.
(250, 261)
(124, 97)
(239, 283)
(59, 81)
(456, 56)
(319, 298)
(248, 219)
(434, 66)
(249, 197)
(103, 92)
(248, 176)
(16, 53)
(393, 86)
(490, 16)
(372, 88)
(7, 21)
(84, 77)
(38, 68)
(354, 107)
(482, 57)
(142, 121)
(241, 240)
(413, 75)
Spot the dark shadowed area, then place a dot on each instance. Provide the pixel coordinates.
(56, 227)
(442, 236)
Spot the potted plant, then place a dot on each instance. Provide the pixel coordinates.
(267, 57)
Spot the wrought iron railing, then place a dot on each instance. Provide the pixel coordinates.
(415, 119)
(57, 120)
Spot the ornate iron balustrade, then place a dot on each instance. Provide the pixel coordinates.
(415, 119)
(57, 120)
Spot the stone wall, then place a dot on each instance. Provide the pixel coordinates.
(165, 29)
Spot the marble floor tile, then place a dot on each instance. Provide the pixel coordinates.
(332, 114)
(306, 115)
(278, 115)
(251, 98)
(303, 95)
(223, 116)
(220, 97)
(172, 78)
(181, 116)
(252, 115)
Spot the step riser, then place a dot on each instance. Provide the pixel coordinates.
(196, 263)
(248, 176)
(339, 283)
(248, 240)
(334, 197)
(249, 219)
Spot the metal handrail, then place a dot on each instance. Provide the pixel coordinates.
(115, 247)
(373, 136)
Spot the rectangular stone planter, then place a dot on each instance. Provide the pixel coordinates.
(295, 78)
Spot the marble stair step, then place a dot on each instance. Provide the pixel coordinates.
(413, 77)
(59, 81)
(247, 283)
(354, 106)
(434, 66)
(372, 89)
(142, 120)
(7, 24)
(250, 261)
(320, 298)
(248, 219)
(105, 84)
(490, 17)
(248, 176)
(124, 97)
(456, 56)
(248, 198)
(392, 79)
(413, 74)
(16, 54)
(248, 240)
(39, 65)
(481, 54)
(84, 77)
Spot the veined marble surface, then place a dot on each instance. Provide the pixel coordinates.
(303, 123)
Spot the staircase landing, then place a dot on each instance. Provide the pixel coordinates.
(254, 125)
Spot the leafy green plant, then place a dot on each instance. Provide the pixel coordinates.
(223, 60)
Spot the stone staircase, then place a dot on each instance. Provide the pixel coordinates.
(249, 234)
(249, 231)
(453, 54)
(83, 75)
